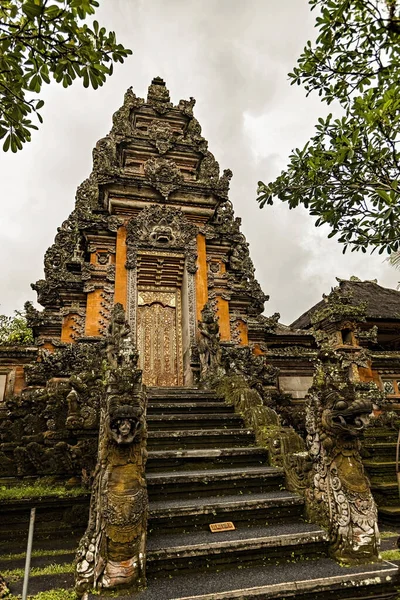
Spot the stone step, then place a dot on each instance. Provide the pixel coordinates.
(242, 509)
(227, 481)
(180, 421)
(182, 395)
(243, 546)
(381, 468)
(17, 545)
(45, 583)
(390, 515)
(205, 458)
(186, 438)
(10, 561)
(322, 579)
(386, 493)
(154, 408)
(379, 450)
(386, 486)
(380, 434)
(54, 516)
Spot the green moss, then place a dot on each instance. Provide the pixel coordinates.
(35, 554)
(39, 489)
(53, 569)
(388, 534)
(59, 594)
(391, 554)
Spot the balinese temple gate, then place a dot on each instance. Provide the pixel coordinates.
(155, 375)
(154, 230)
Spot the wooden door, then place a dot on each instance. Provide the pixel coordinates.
(159, 337)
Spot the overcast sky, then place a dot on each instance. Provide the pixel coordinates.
(233, 56)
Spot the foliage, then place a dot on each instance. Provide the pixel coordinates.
(42, 40)
(14, 330)
(348, 174)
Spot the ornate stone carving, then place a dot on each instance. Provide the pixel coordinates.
(209, 169)
(240, 360)
(186, 106)
(209, 173)
(105, 157)
(209, 342)
(122, 124)
(340, 497)
(158, 96)
(111, 554)
(164, 228)
(163, 175)
(161, 135)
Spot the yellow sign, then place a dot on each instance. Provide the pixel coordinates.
(227, 526)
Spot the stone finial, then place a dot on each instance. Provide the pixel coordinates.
(158, 92)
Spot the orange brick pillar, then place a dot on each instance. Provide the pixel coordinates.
(201, 275)
(121, 276)
(67, 330)
(223, 319)
(93, 315)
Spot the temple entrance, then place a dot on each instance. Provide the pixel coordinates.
(159, 337)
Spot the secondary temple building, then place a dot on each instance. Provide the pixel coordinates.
(150, 295)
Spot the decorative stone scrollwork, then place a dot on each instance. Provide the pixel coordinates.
(105, 157)
(161, 135)
(163, 175)
(122, 125)
(186, 106)
(209, 169)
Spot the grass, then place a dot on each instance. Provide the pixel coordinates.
(59, 594)
(391, 554)
(39, 489)
(12, 575)
(389, 534)
(35, 554)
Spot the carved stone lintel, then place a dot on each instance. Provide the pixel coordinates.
(164, 228)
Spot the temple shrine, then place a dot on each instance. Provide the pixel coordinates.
(157, 387)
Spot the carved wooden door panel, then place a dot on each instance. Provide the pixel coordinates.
(158, 338)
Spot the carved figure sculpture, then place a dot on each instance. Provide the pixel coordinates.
(112, 552)
(340, 495)
(209, 346)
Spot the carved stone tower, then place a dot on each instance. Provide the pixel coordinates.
(154, 230)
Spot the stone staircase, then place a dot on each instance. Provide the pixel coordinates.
(379, 459)
(204, 467)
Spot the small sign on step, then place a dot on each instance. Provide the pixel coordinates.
(227, 526)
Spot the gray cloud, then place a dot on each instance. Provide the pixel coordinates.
(233, 56)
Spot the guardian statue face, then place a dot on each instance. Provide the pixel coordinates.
(125, 425)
